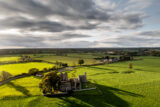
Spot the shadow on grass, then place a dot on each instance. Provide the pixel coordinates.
(19, 88)
(128, 72)
(144, 70)
(14, 97)
(94, 67)
(97, 74)
(113, 72)
(109, 97)
(34, 102)
(138, 69)
(117, 66)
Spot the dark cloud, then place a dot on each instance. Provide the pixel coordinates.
(75, 44)
(29, 7)
(22, 41)
(138, 40)
(71, 36)
(150, 33)
(134, 19)
(31, 41)
(75, 9)
(130, 20)
(66, 36)
(33, 25)
(79, 10)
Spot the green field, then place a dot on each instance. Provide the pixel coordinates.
(70, 60)
(8, 59)
(20, 68)
(21, 87)
(117, 86)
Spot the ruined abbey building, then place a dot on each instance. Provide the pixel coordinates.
(73, 83)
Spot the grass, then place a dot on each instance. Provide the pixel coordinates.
(15, 69)
(117, 86)
(8, 59)
(86, 55)
(70, 60)
(21, 87)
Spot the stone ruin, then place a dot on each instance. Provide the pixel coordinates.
(73, 83)
(83, 78)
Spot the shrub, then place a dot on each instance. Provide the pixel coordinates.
(45, 69)
(130, 66)
(5, 75)
(53, 68)
(81, 61)
(64, 64)
(33, 71)
(24, 73)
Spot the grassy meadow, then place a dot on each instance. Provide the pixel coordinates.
(20, 68)
(71, 59)
(9, 59)
(117, 86)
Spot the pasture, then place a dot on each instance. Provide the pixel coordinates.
(20, 68)
(70, 60)
(117, 86)
(9, 59)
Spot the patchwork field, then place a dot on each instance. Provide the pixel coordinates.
(117, 86)
(20, 68)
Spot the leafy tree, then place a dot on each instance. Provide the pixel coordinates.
(130, 65)
(64, 64)
(81, 61)
(5, 75)
(155, 53)
(53, 68)
(107, 57)
(25, 59)
(125, 58)
(50, 82)
(33, 71)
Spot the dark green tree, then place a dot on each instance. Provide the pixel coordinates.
(50, 82)
(81, 61)
(33, 71)
(130, 66)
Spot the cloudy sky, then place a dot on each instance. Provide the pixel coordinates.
(79, 23)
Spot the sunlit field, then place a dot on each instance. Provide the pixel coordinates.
(20, 68)
(117, 86)
(9, 59)
(21, 87)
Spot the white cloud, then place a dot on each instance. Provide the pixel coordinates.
(106, 4)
